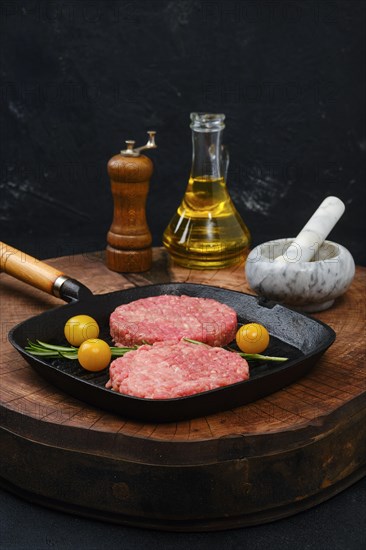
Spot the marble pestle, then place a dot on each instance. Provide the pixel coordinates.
(307, 243)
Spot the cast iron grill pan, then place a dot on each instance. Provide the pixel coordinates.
(299, 337)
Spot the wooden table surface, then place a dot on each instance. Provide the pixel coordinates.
(245, 466)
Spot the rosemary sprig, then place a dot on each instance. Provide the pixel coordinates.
(259, 356)
(249, 356)
(42, 349)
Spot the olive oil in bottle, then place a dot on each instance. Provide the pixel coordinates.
(207, 231)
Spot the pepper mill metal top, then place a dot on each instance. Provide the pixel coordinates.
(131, 151)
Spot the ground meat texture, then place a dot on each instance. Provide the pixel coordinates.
(170, 318)
(166, 371)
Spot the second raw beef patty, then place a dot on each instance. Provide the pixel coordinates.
(170, 318)
(167, 371)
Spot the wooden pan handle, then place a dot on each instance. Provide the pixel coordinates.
(30, 270)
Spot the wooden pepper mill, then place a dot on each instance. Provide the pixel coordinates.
(129, 238)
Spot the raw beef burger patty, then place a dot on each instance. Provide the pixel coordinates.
(165, 371)
(170, 318)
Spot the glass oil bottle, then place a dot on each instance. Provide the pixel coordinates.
(207, 231)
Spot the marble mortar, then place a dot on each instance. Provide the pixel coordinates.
(307, 286)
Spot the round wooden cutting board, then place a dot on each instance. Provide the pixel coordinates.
(249, 465)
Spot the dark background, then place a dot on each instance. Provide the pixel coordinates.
(79, 77)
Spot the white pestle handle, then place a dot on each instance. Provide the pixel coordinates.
(314, 233)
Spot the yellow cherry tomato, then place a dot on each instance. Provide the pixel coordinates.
(252, 338)
(80, 328)
(94, 354)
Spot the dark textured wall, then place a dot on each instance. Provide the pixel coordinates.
(80, 77)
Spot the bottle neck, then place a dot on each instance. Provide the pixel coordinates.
(209, 160)
(208, 155)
